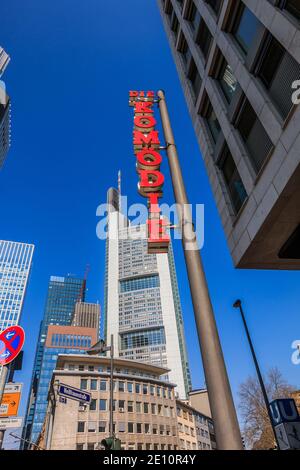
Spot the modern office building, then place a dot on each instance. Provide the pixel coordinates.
(4, 110)
(4, 60)
(15, 265)
(142, 306)
(59, 340)
(63, 294)
(239, 63)
(87, 315)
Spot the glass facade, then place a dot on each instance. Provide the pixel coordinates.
(63, 293)
(15, 264)
(48, 365)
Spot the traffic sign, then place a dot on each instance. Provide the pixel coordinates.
(10, 423)
(11, 342)
(74, 393)
(11, 400)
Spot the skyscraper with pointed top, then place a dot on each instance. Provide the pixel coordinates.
(142, 305)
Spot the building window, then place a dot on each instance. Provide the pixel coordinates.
(103, 385)
(252, 132)
(139, 428)
(102, 426)
(121, 426)
(145, 389)
(146, 408)
(232, 179)
(93, 384)
(142, 339)
(129, 387)
(137, 388)
(153, 408)
(227, 80)
(138, 407)
(146, 282)
(195, 79)
(278, 71)
(194, 17)
(80, 426)
(93, 404)
(83, 384)
(215, 5)
(204, 39)
(102, 405)
(92, 425)
(121, 386)
(147, 428)
(79, 446)
(293, 7)
(91, 446)
(245, 28)
(130, 407)
(130, 428)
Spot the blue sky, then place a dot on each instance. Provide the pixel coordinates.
(72, 66)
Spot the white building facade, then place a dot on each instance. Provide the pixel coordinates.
(15, 264)
(142, 305)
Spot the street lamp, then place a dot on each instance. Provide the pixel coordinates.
(238, 304)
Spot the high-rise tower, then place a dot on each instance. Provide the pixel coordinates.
(239, 66)
(142, 305)
(15, 264)
(63, 293)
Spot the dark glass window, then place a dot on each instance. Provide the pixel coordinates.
(245, 28)
(213, 123)
(278, 71)
(195, 79)
(227, 81)
(215, 5)
(232, 179)
(204, 39)
(293, 7)
(254, 136)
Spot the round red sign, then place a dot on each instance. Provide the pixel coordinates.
(11, 343)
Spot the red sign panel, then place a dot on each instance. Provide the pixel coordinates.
(146, 146)
(11, 343)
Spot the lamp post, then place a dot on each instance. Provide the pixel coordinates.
(238, 304)
(226, 424)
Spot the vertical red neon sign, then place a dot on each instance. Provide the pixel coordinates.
(146, 146)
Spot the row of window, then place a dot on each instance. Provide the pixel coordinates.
(130, 446)
(130, 428)
(132, 407)
(266, 59)
(124, 386)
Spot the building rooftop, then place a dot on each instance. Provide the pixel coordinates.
(118, 362)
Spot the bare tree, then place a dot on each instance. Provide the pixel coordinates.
(257, 430)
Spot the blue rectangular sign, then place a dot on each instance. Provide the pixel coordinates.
(74, 393)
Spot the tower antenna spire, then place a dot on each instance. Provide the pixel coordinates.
(120, 189)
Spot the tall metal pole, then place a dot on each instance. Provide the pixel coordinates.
(3, 379)
(111, 386)
(226, 425)
(238, 304)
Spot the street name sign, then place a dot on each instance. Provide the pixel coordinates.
(10, 423)
(74, 393)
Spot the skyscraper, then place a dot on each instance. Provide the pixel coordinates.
(4, 110)
(142, 305)
(239, 66)
(87, 315)
(15, 264)
(63, 293)
(59, 340)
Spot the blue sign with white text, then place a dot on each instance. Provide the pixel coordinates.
(74, 393)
